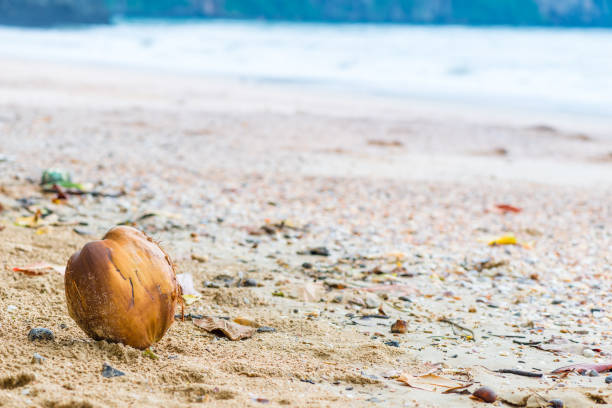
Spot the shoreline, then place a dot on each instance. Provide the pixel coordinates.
(546, 84)
(372, 104)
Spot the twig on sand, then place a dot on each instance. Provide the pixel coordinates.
(527, 343)
(519, 372)
(535, 345)
(454, 325)
(507, 336)
(515, 372)
(82, 192)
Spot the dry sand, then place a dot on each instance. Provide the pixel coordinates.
(389, 187)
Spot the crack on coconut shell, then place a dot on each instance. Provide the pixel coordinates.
(141, 284)
(133, 301)
(109, 253)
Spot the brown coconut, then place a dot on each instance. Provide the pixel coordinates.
(122, 289)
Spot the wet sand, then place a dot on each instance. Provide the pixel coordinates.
(403, 195)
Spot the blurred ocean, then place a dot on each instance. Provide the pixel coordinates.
(559, 70)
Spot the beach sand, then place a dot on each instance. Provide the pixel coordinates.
(401, 193)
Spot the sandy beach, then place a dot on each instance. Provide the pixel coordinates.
(241, 180)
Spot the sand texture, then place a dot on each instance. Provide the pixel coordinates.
(325, 217)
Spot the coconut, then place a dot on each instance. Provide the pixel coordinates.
(122, 288)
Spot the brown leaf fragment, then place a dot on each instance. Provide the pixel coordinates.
(231, 330)
(506, 208)
(430, 382)
(39, 268)
(583, 368)
(461, 389)
(385, 143)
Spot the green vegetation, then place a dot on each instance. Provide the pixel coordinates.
(521, 12)
(510, 12)
(477, 12)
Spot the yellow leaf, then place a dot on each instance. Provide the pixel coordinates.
(30, 221)
(245, 322)
(504, 240)
(189, 299)
(149, 353)
(42, 230)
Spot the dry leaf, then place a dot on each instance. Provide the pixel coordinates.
(39, 268)
(504, 240)
(233, 331)
(310, 292)
(508, 208)
(245, 322)
(385, 143)
(190, 299)
(42, 230)
(395, 289)
(561, 345)
(190, 294)
(583, 368)
(431, 382)
(186, 282)
(31, 221)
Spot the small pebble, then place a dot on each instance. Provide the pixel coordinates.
(82, 231)
(199, 257)
(321, 251)
(249, 283)
(261, 400)
(37, 359)
(485, 394)
(40, 333)
(405, 298)
(609, 379)
(399, 327)
(266, 329)
(370, 376)
(392, 343)
(588, 353)
(593, 373)
(372, 302)
(307, 265)
(556, 403)
(108, 371)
